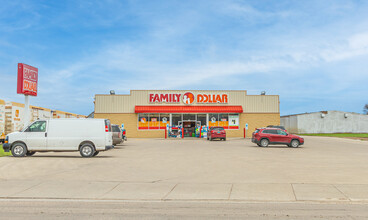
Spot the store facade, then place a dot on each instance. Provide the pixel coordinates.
(147, 113)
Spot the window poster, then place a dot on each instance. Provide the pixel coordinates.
(233, 121)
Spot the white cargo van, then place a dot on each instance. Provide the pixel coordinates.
(88, 136)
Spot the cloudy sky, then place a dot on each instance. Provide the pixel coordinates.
(314, 54)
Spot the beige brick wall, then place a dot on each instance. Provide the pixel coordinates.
(131, 125)
(254, 120)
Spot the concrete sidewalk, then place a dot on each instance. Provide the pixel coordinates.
(265, 192)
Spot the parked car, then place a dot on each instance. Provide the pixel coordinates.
(265, 136)
(216, 133)
(117, 135)
(276, 126)
(88, 136)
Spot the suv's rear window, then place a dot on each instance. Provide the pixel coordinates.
(218, 128)
(270, 131)
(115, 128)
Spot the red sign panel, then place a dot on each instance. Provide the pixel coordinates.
(27, 79)
(189, 98)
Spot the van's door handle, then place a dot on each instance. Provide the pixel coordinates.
(45, 134)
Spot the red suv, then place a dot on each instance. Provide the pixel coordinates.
(265, 136)
(216, 132)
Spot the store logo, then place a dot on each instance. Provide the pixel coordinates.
(212, 98)
(164, 97)
(188, 98)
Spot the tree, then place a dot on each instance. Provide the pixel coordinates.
(365, 109)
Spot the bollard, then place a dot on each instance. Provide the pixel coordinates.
(182, 132)
(165, 133)
(244, 132)
(200, 132)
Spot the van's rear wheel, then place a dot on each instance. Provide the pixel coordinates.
(19, 150)
(87, 150)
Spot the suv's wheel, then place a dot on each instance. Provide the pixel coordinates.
(19, 150)
(30, 153)
(294, 143)
(210, 138)
(87, 150)
(264, 143)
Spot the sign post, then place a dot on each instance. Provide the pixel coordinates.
(245, 130)
(27, 85)
(26, 109)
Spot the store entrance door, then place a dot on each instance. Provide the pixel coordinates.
(189, 128)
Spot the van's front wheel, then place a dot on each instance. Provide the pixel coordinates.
(87, 150)
(19, 150)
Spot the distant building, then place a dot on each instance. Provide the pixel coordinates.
(12, 115)
(325, 122)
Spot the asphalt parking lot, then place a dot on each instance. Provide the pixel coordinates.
(323, 170)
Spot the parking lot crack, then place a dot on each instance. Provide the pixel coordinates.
(292, 187)
(11, 195)
(163, 198)
(231, 190)
(112, 188)
(341, 192)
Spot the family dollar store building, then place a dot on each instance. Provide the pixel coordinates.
(146, 113)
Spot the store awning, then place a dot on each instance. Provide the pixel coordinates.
(188, 109)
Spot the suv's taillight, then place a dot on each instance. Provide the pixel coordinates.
(124, 132)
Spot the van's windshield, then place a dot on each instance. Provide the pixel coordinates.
(25, 127)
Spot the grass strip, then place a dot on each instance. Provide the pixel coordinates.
(2, 153)
(358, 135)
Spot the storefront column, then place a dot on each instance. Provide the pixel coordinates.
(207, 116)
(170, 121)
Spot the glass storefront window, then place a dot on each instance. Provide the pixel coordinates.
(142, 121)
(189, 117)
(175, 119)
(159, 121)
(212, 120)
(202, 118)
(164, 120)
(154, 121)
(224, 120)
